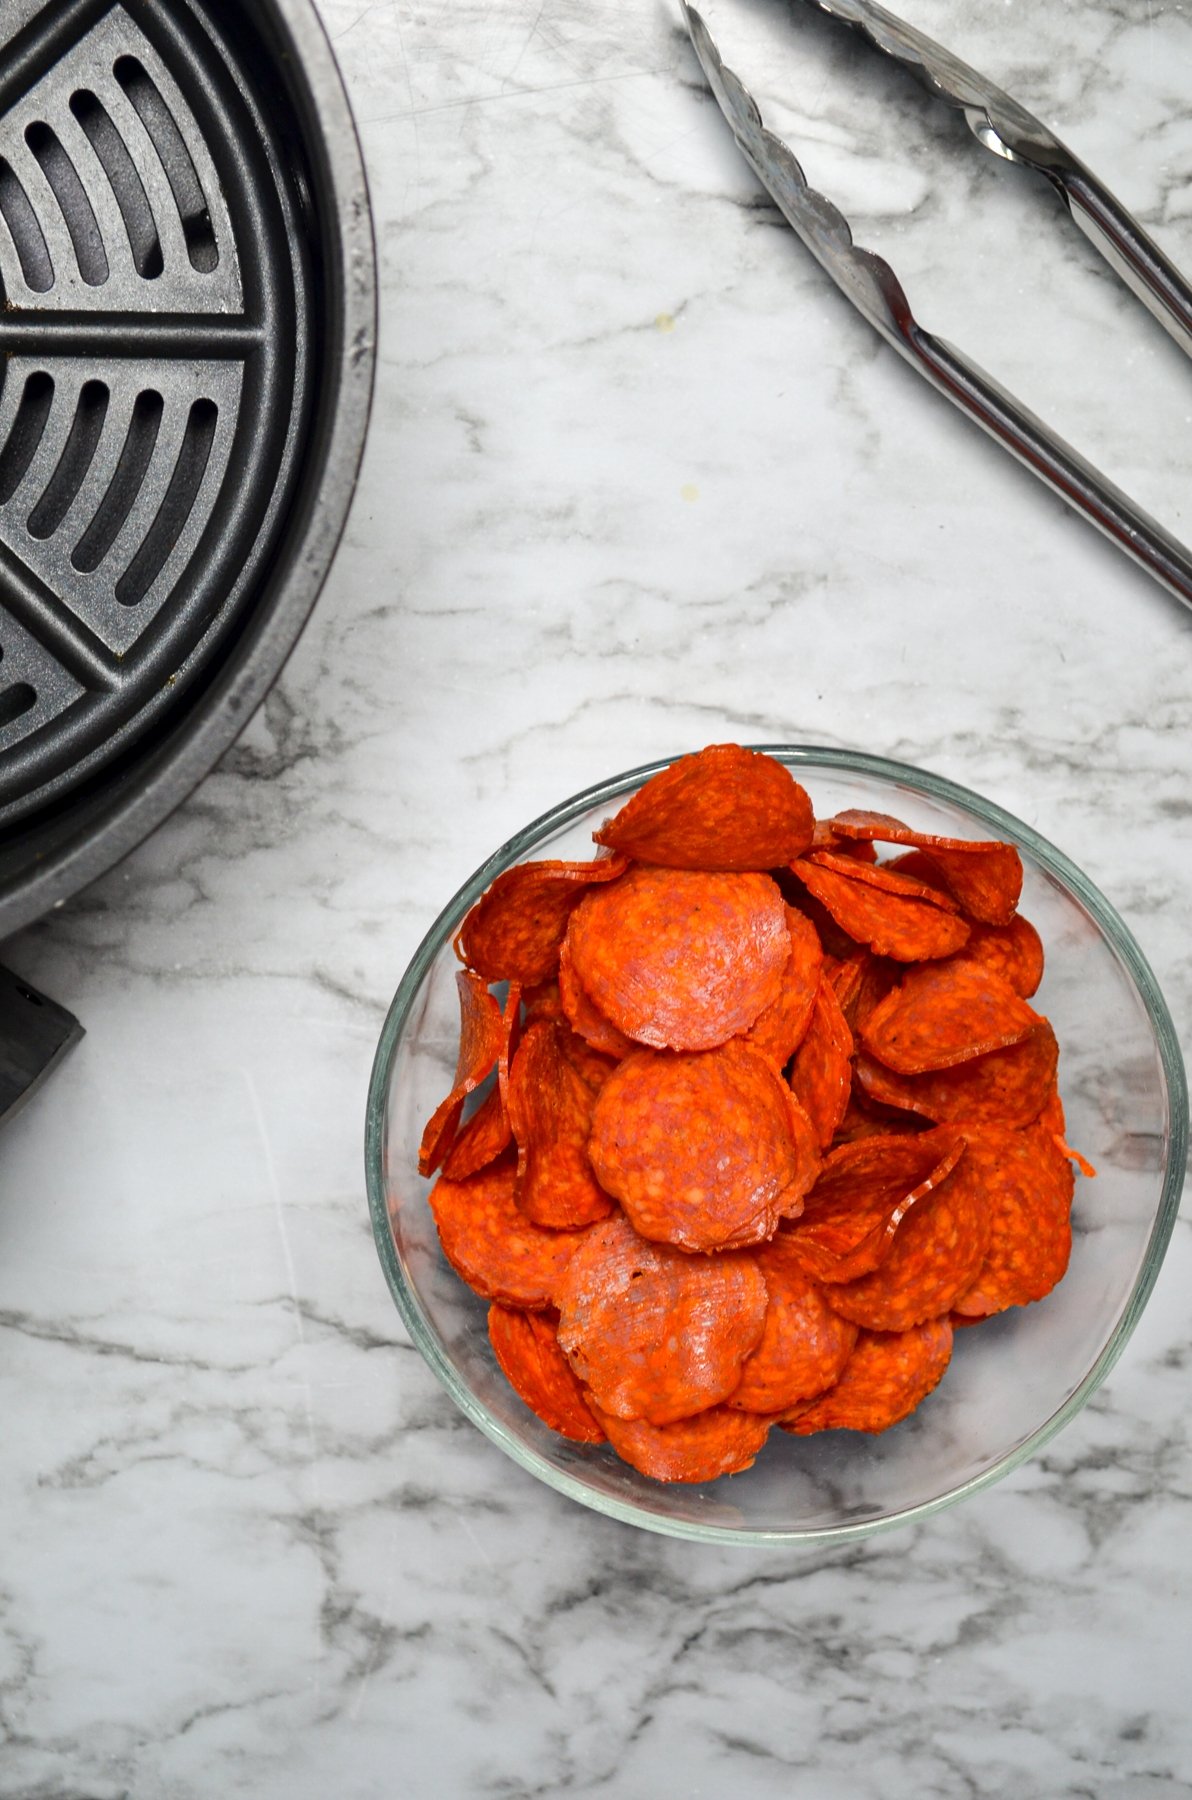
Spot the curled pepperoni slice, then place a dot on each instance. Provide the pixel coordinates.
(681, 959)
(483, 1137)
(550, 1110)
(584, 1015)
(896, 923)
(985, 876)
(885, 1378)
(704, 1151)
(944, 1013)
(881, 875)
(717, 1442)
(526, 1346)
(804, 1344)
(779, 1030)
(864, 1193)
(1012, 951)
(1003, 1087)
(935, 1255)
(480, 1039)
(723, 808)
(822, 1072)
(653, 1333)
(1025, 1182)
(514, 931)
(489, 1241)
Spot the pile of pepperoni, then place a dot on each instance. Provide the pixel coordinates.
(757, 1120)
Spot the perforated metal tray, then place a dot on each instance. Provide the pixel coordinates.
(186, 348)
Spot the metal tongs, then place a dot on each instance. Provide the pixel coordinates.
(999, 123)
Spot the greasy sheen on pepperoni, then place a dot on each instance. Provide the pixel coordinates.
(526, 1346)
(489, 1241)
(864, 1193)
(804, 1344)
(1025, 1182)
(893, 923)
(1003, 1087)
(822, 1072)
(885, 1378)
(704, 1150)
(943, 1013)
(550, 1111)
(716, 1442)
(652, 1332)
(514, 931)
(681, 959)
(723, 808)
(480, 1039)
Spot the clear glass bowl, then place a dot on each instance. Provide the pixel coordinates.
(1013, 1382)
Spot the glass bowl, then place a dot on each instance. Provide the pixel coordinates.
(1013, 1382)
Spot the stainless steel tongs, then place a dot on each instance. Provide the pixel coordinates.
(1009, 130)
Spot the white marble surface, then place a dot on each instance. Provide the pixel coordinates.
(638, 479)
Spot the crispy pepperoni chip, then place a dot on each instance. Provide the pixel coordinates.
(865, 1191)
(653, 1333)
(489, 1241)
(934, 1257)
(1003, 1087)
(488, 1132)
(779, 1030)
(822, 1072)
(681, 959)
(804, 1344)
(514, 931)
(526, 1346)
(480, 1040)
(550, 1110)
(723, 808)
(710, 1444)
(881, 875)
(584, 1015)
(1012, 951)
(703, 1150)
(896, 924)
(1025, 1183)
(984, 876)
(944, 1013)
(885, 1378)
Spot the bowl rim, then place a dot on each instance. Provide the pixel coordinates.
(795, 757)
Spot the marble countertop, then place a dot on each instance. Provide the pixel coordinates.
(638, 479)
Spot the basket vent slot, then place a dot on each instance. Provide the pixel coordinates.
(176, 160)
(27, 236)
(28, 428)
(72, 200)
(176, 507)
(125, 485)
(117, 163)
(77, 457)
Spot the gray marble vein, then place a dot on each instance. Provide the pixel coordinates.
(638, 479)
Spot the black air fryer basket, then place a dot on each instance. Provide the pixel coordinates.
(187, 332)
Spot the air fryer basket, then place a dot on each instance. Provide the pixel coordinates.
(187, 334)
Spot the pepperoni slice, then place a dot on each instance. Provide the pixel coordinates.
(489, 1241)
(944, 1013)
(984, 876)
(704, 1151)
(488, 1132)
(934, 1257)
(681, 959)
(723, 808)
(480, 1040)
(881, 875)
(712, 1443)
(550, 1110)
(1025, 1182)
(864, 1193)
(584, 1015)
(804, 1344)
(822, 1072)
(592, 1065)
(653, 1333)
(1003, 1087)
(514, 931)
(1012, 951)
(526, 1346)
(893, 923)
(885, 1378)
(778, 1031)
